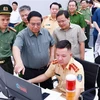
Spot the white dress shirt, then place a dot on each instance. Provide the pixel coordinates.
(15, 17)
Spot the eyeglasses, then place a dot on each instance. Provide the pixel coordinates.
(37, 24)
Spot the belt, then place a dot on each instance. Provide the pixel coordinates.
(40, 68)
(4, 60)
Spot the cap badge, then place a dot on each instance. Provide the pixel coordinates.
(5, 8)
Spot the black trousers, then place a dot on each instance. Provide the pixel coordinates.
(32, 73)
(87, 33)
(94, 41)
(7, 65)
(97, 60)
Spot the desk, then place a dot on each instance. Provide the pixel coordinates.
(52, 96)
(2, 96)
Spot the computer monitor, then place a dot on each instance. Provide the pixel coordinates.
(18, 89)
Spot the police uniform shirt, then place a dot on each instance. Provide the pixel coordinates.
(50, 24)
(78, 19)
(86, 13)
(20, 27)
(6, 41)
(73, 67)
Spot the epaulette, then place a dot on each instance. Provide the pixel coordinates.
(11, 28)
(54, 61)
(17, 24)
(74, 67)
(45, 17)
(79, 12)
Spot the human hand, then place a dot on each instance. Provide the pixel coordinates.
(18, 68)
(88, 22)
(29, 81)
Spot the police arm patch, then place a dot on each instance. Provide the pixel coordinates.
(79, 77)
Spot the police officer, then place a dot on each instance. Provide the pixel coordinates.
(50, 22)
(75, 16)
(24, 11)
(7, 37)
(87, 15)
(63, 65)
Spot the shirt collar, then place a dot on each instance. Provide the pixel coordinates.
(70, 62)
(51, 17)
(32, 34)
(23, 23)
(71, 26)
(73, 14)
(6, 30)
(84, 9)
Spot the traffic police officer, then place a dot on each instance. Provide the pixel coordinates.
(7, 37)
(76, 17)
(50, 22)
(63, 65)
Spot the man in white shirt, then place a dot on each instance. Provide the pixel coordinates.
(15, 16)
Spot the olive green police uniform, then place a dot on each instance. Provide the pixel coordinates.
(20, 27)
(6, 41)
(87, 15)
(78, 19)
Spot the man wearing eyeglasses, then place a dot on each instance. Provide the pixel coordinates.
(33, 49)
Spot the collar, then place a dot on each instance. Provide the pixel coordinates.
(51, 18)
(72, 66)
(32, 34)
(84, 8)
(23, 23)
(73, 14)
(70, 62)
(6, 30)
(71, 26)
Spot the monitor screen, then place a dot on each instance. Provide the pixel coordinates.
(18, 89)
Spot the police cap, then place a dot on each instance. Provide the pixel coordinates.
(5, 9)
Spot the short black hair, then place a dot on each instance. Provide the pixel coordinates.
(84, 0)
(61, 12)
(63, 44)
(15, 3)
(34, 14)
(91, 2)
(98, 0)
(73, 1)
(55, 3)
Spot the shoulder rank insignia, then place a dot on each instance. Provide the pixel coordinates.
(79, 12)
(45, 17)
(54, 61)
(11, 28)
(17, 24)
(74, 67)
